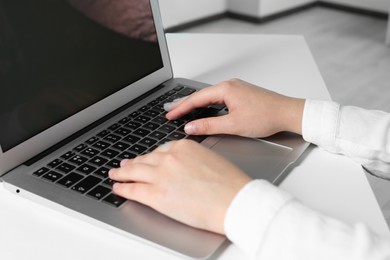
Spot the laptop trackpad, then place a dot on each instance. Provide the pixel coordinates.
(258, 158)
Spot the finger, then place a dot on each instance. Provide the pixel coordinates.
(211, 126)
(139, 192)
(171, 105)
(202, 98)
(133, 172)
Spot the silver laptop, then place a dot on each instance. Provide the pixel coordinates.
(82, 87)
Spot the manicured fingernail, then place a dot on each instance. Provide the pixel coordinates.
(165, 146)
(190, 129)
(169, 105)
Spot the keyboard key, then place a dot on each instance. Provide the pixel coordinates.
(160, 120)
(151, 126)
(103, 133)
(151, 113)
(171, 92)
(52, 176)
(157, 135)
(99, 192)
(68, 155)
(123, 131)
(92, 140)
(101, 145)
(177, 88)
(151, 149)
(98, 161)
(144, 108)
(162, 98)
(109, 182)
(166, 128)
(90, 152)
(127, 155)
(121, 146)
(153, 103)
(78, 159)
(147, 142)
(135, 114)
(114, 163)
(124, 120)
(65, 168)
(109, 153)
(186, 91)
(102, 172)
(131, 139)
(176, 122)
(80, 147)
(133, 125)
(86, 184)
(142, 119)
(112, 138)
(176, 136)
(86, 169)
(114, 200)
(138, 149)
(114, 126)
(141, 132)
(54, 163)
(41, 171)
(70, 179)
(159, 108)
(197, 138)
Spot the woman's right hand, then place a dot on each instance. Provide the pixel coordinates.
(253, 111)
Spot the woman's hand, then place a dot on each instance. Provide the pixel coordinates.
(253, 111)
(183, 180)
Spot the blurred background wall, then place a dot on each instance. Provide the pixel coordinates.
(178, 12)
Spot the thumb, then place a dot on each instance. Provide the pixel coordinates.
(209, 126)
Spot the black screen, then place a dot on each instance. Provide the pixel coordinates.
(58, 57)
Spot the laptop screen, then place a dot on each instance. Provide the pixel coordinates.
(58, 57)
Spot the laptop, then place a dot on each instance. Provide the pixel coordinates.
(82, 87)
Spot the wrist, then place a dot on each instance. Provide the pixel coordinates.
(292, 115)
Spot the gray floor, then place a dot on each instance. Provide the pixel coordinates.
(349, 49)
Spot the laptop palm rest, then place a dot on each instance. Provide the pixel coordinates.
(256, 157)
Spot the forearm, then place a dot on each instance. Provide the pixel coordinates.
(267, 223)
(360, 134)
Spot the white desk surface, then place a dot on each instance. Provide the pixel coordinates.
(329, 183)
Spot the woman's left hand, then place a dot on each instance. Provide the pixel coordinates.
(183, 180)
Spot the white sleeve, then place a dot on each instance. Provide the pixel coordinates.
(363, 135)
(267, 223)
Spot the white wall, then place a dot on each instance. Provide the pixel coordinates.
(374, 5)
(269, 7)
(245, 7)
(176, 12)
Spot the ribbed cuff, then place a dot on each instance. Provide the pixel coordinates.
(251, 212)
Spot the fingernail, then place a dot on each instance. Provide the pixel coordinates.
(169, 105)
(123, 162)
(190, 129)
(115, 186)
(111, 173)
(165, 146)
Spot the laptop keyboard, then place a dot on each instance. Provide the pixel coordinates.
(84, 169)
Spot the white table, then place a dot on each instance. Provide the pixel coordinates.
(329, 183)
